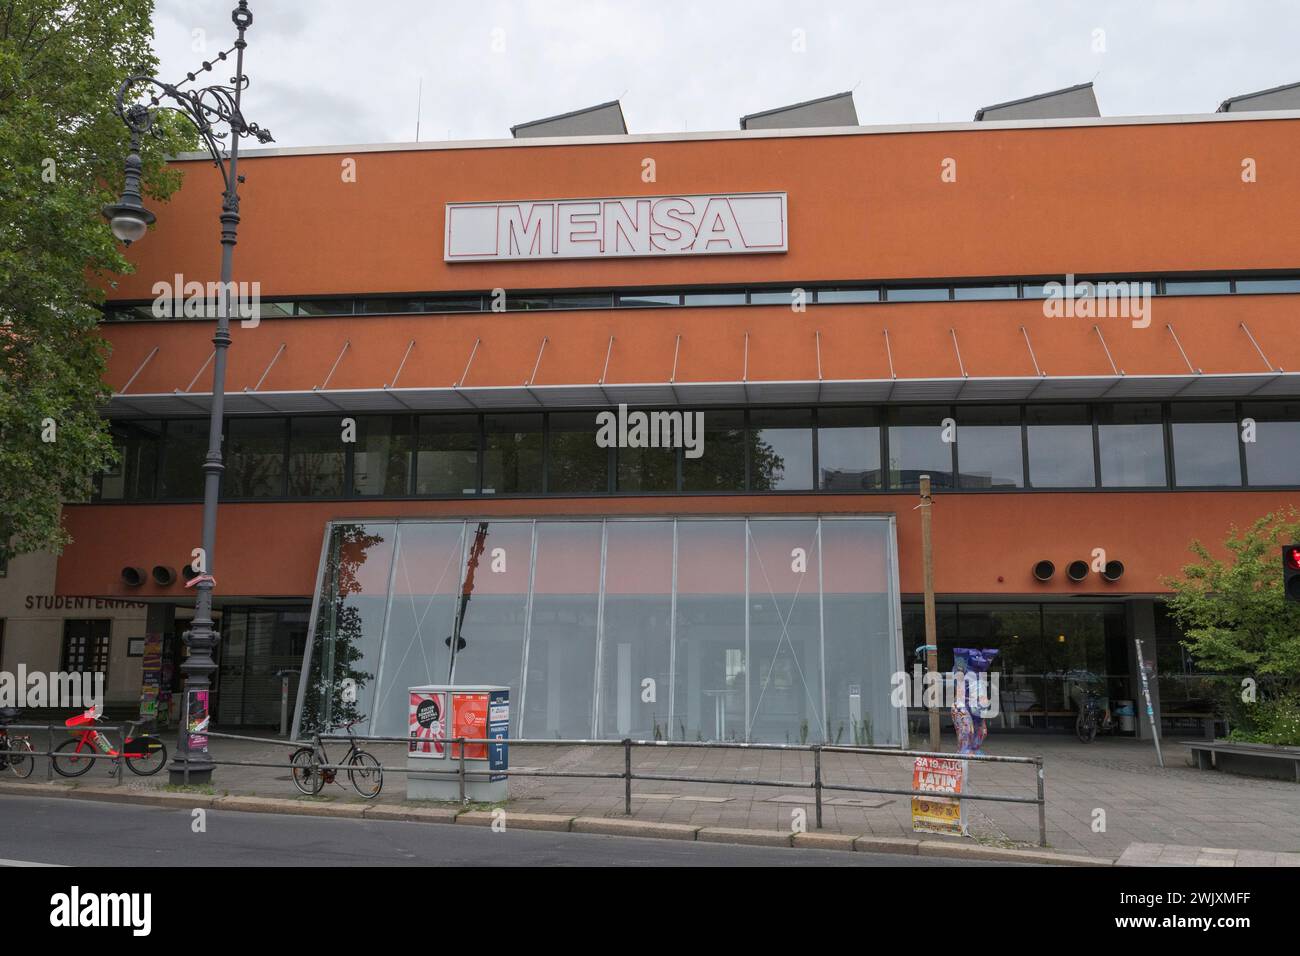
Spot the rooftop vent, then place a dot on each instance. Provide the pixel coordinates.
(1058, 104)
(834, 110)
(1278, 98)
(606, 119)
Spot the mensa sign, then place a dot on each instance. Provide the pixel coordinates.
(716, 224)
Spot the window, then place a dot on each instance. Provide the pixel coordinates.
(917, 294)
(389, 306)
(183, 454)
(582, 300)
(721, 467)
(255, 453)
(1197, 287)
(1060, 446)
(916, 447)
(133, 477)
(577, 464)
(1263, 286)
(647, 469)
(447, 456)
(1273, 458)
(316, 453)
(455, 303)
(989, 450)
(1205, 451)
(635, 299)
(381, 457)
(527, 303)
(512, 460)
(781, 446)
(1131, 439)
(325, 307)
(715, 298)
(776, 296)
(971, 292)
(85, 646)
(848, 295)
(848, 449)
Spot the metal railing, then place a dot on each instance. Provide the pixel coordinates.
(818, 784)
(89, 753)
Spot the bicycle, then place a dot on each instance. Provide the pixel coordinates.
(15, 752)
(145, 755)
(310, 777)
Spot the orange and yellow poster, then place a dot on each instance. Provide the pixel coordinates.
(938, 814)
(469, 713)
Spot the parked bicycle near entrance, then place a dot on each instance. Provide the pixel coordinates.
(310, 771)
(15, 752)
(145, 755)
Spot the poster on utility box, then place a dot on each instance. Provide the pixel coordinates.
(469, 719)
(426, 723)
(938, 814)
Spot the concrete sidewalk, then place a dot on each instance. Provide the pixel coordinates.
(1101, 798)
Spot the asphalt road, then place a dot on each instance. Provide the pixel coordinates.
(37, 830)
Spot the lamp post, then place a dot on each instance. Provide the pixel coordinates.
(204, 107)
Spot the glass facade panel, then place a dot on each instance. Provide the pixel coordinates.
(968, 292)
(183, 453)
(917, 447)
(381, 460)
(1131, 440)
(1198, 287)
(721, 467)
(782, 444)
(561, 659)
(647, 469)
(255, 458)
(1273, 458)
(1266, 286)
(918, 294)
(636, 644)
(1205, 451)
(714, 298)
(1060, 446)
(447, 455)
(133, 477)
(316, 457)
(848, 295)
(512, 456)
(577, 465)
(848, 449)
(615, 627)
(989, 452)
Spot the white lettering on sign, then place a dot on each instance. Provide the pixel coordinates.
(724, 224)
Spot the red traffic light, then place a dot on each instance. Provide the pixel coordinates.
(1291, 557)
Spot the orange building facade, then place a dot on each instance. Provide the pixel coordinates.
(907, 325)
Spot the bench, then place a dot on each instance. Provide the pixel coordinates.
(1256, 760)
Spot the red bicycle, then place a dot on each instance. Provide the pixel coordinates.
(145, 755)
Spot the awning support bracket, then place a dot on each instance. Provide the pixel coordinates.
(609, 350)
(146, 361)
(211, 356)
(1267, 364)
(957, 348)
(889, 353)
(398, 374)
(274, 358)
(538, 363)
(347, 344)
(468, 363)
(1181, 351)
(1113, 367)
(1032, 357)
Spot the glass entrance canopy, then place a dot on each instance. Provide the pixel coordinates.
(771, 629)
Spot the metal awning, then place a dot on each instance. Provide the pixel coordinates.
(664, 394)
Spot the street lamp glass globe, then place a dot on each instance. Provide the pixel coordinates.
(128, 227)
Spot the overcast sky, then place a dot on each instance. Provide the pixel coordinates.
(328, 72)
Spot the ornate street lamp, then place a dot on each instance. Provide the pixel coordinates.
(205, 108)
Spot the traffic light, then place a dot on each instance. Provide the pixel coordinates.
(1291, 571)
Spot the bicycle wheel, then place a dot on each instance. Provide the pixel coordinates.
(1085, 727)
(71, 764)
(20, 757)
(367, 778)
(153, 758)
(305, 777)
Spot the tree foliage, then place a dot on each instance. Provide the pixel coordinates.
(61, 157)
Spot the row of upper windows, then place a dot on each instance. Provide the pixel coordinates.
(616, 299)
(832, 449)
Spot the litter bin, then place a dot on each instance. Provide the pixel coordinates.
(439, 712)
(1124, 713)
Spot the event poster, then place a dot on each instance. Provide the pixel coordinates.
(426, 723)
(151, 676)
(499, 729)
(938, 814)
(196, 720)
(469, 718)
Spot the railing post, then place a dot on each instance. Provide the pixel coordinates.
(1042, 802)
(121, 758)
(627, 776)
(817, 781)
(49, 750)
(462, 770)
(185, 733)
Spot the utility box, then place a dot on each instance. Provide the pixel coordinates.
(441, 712)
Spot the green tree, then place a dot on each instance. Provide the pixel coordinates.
(61, 155)
(1237, 621)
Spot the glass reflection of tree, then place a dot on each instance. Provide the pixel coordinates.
(329, 701)
(767, 468)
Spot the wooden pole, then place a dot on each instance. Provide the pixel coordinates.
(931, 636)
